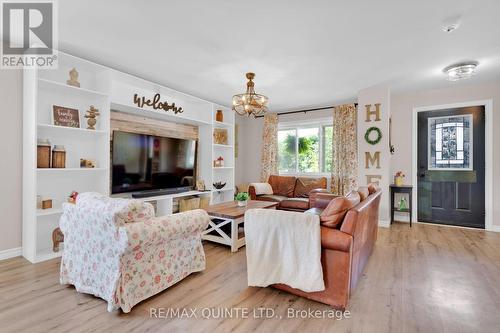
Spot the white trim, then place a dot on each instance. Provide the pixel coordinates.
(305, 123)
(384, 223)
(11, 253)
(488, 193)
(494, 228)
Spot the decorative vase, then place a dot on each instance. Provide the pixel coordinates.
(59, 157)
(398, 181)
(242, 203)
(219, 116)
(43, 154)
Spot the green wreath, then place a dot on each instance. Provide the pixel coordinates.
(377, 139)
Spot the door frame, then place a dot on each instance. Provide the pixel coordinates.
(488, 193)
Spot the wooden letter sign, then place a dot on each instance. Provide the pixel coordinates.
(65, 116)
(156, 104)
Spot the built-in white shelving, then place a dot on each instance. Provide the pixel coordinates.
(105, 89)
(220, 124)
(50, 211)
(224, 174)
(70, 130)
(42, 90)
(62, 170)
(223, 146)
(64, 88)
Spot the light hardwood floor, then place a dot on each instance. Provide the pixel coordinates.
(424, 279)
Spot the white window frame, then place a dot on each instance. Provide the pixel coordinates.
(296, 125)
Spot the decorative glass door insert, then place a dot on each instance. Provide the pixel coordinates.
(450, 143)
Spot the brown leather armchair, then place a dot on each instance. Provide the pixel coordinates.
(345, 248)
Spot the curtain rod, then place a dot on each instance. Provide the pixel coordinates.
(305, 110)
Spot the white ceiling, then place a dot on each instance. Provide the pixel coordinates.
(304, 53)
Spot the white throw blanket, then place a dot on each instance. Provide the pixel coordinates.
(283, 247)
(262, 188)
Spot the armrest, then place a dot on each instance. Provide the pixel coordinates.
(334, 239)
(161, 229)
(321, 199)
(251, 192)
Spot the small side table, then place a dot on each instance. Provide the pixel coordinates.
(401, 189)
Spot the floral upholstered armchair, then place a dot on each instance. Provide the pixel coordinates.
(117, 250)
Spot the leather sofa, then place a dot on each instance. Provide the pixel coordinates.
(292, 193)
(348, 233)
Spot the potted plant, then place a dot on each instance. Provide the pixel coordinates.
(242, 198)
(398, 178)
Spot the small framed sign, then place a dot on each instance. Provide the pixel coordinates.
(66, 117)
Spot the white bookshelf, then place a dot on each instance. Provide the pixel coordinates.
(106, 89)
(42, 90)
(224, 174)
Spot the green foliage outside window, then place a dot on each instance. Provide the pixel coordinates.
(305, 151)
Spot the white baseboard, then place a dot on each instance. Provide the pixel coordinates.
(494, 228)
(384, 223)
(11, 253)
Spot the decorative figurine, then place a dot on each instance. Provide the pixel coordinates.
(403, 204)
(72, 197)
(57, 238)
(219, 185)
(91, 115)
(73, 78)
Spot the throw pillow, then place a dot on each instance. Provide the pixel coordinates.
(363, 192)
(304, 186)
(334, 213)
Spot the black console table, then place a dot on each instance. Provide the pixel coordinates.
(401, 189)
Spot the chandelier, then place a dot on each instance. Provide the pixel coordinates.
(250, 103)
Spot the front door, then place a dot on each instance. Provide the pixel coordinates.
(451, 166)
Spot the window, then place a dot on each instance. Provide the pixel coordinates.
(305, 149)
(450, 143)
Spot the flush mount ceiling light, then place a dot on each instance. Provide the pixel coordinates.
(250, 103)
(461, 71)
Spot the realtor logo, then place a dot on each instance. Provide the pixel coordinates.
(28, 34)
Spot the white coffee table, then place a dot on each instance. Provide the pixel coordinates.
(229, 213)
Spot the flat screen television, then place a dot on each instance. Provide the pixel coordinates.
(146, 162)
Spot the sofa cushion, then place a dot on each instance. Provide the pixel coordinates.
(363, 192)
(262, 188)
(372, 188)
(334, 213)
(315, 211)
(295, 203)
(282, 185)
(123, 210)
(305, 185)
(271, 197)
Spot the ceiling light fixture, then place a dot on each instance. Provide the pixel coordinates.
(250, 103)
(461, 71)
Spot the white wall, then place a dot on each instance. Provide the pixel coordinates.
(249, 149)
(402, 107)
(11, 111)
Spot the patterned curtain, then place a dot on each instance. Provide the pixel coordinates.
(345, 149)
(269, 158)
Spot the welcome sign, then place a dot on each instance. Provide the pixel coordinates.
(156, 104)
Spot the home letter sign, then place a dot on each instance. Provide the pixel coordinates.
(370, 113)
(369, 159)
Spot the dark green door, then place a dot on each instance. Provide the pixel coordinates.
(451, 166)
